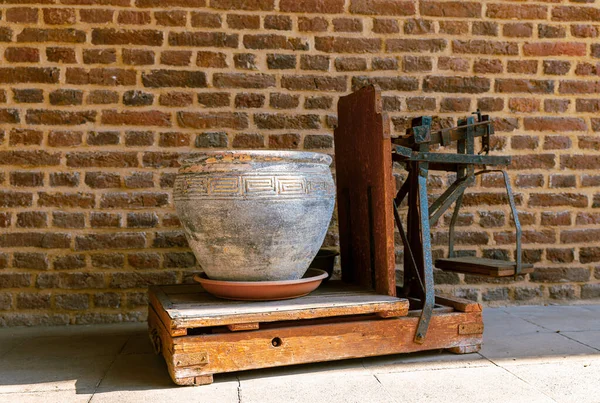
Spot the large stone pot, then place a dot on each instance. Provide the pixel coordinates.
(255, 215)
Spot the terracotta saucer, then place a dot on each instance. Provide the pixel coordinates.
(262, 290)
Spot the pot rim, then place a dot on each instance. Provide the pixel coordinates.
(245, 156)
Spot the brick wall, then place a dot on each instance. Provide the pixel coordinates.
(99, 98)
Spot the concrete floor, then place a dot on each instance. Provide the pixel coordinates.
(530, 354)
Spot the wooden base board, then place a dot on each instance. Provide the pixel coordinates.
(193, 359)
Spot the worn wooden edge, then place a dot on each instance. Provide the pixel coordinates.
(237, 351)
(464, 349)
(460, 304)
(157, 299)
(399, 306)
(237, 327)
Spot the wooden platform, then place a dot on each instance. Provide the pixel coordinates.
(189, 307)
(481, 266)
(200, 336)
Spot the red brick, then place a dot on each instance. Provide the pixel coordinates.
(557, 199)
(100, 76)
(563, 181)
(248, 140)
(99, 56)
(537, 161)
(580, 162)
(485, 28)
(67, 35)
(102, 97)
(130, 118)
(557, 143)
(6, 34)
(202, 39)
(102, 180)
(314, 62)
(239, 21)
(554, 49)
(128, 17)
(249, 100)
(420, 104)
(318, 141)
(575, 13)
(278, 22)
(518, 30)
(284, 141)
(161, 159)
(50, 117)
(279, 121)
(522, 66)
(550, 31)
(487, 66)
(173, 18)
(312, 6)
(63, 219)
(483, 47)
(384, 26)
(61, 55)
(414, 45)
(213, 99)
(63, 200)
(139, 139)
(64, 138)
(348, 45)
(138, 57)
(26, 137)
(382, 7)
(121, 240)
(212, 120)
(30, 260)
(555, 124)
(110, 36)
(313, 83)
(104, 220)
(46, 240)
(472, 85)
(22, 55)
(15, 75)
(26, 179)
(29, 158)
(490, 104)
(453, 64)
(211, 59)
(24, 15)
(96, 16)
(133, 200)
(521, 85)
(206, 20)
(59, 16)
(455, 104)
(347, 25)
(66, 97)
(588, 235)
(240, 80)
(249, 5)
(102, 159)
(397, 83)
(103, 138)
(517, 11)
(207, 140)
(69, 179)
(450, 9)
(170, 3)
(525, 105)
(350, 64)
(272, 41)
(176, 99)
(316, 24)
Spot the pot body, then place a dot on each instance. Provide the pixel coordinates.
(255, 215)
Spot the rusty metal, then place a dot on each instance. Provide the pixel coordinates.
(414, 151)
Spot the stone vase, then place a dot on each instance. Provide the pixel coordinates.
(255, 215)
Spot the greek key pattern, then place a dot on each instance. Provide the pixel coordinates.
(192, 186)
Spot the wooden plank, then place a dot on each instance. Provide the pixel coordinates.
(237, 327)
(460, 304)
(365, 190)
(481, 266)
(202, 309)
(158, 300)
(227, 352)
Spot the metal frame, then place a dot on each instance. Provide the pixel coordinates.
(414, 151)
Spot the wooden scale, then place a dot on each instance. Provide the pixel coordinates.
(365, 314)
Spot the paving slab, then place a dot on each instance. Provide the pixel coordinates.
(138, 343)
(144, 378)
(548, 346)
(316, 387)
(566, 382)
(590, 338)
(499, 322)
(560, 318)
(485, 384)
(66, 396)
(424, 361)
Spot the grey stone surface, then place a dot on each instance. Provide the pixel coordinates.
(524, 359)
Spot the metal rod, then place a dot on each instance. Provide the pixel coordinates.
(407, 245)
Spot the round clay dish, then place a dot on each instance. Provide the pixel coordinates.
(262, 290)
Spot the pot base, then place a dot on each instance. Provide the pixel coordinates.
(262, 290)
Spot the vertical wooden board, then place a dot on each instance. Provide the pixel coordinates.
(365, 191)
